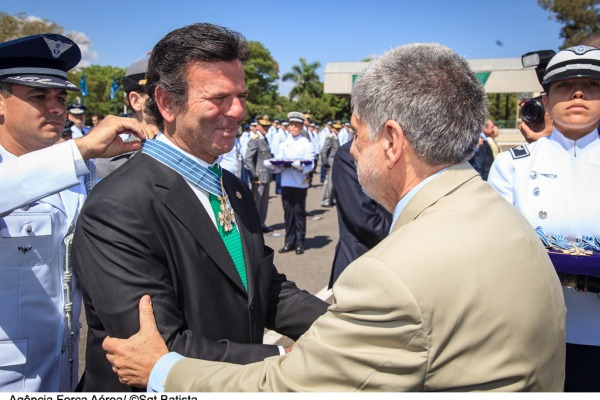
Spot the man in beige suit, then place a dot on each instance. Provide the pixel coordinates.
(461, 295)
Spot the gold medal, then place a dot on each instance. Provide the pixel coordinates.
(226, 215)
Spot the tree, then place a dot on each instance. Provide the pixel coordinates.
(262, 72)
(18, 25)
(99, 79)
(579, 18)
(306, 79)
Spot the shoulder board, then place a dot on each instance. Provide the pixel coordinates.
(254, 136)
(331, 136)
(519, 152)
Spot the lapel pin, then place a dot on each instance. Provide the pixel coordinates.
(238, 195)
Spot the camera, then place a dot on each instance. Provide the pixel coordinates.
(533, 110)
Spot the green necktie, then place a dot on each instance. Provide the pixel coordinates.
(232, 239)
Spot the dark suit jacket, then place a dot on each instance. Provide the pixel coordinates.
(363, 223)
(482, 160)
(144, 231)
(330, 147)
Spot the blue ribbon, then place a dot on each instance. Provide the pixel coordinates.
(187, 167)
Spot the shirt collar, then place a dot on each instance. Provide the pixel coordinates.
(408, 196)
(162, 138)
(573, 146)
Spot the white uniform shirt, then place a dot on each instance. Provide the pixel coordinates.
(315, 140)
(42, 194)
(296, 148)
(276, 140)
(343, 136)
(271, 134)
(554, 183)
(77, 133)
(325, 132)
(244, 139)
(232, 161)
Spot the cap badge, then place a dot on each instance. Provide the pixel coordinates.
(580, 49)
(57, 47)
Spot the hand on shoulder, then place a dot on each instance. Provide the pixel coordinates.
(104, 140)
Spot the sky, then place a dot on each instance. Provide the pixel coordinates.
(321, 31)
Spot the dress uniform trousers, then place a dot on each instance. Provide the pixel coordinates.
(294, 210)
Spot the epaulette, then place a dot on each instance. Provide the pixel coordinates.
(331, 136)
(254, 136)
(519, 152)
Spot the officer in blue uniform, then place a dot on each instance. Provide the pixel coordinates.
(77, 116)
(554, 183)
(42, 186)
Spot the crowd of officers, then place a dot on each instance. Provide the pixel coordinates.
(297, 139)
(38, 219)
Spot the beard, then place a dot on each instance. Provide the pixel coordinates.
(370, 175)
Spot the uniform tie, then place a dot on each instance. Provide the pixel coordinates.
(232, 238)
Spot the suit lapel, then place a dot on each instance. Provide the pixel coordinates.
(182, 202)
(448, 181)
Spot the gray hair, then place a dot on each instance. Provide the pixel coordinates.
(172, 55)
(431, 92)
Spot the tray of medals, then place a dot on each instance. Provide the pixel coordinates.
(288, 163)
(580, 256)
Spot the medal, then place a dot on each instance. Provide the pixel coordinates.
(226, 215)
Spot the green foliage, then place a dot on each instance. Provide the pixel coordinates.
(502, 108)
(578, 17)
(99, 79)
(306, 79)
(18, 25)
(308, 94)
(261, 72)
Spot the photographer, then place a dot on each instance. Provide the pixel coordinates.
(553, 182)
(532, 130)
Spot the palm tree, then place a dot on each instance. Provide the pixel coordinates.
(306, 79)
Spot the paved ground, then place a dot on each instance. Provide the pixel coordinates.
(310, 270)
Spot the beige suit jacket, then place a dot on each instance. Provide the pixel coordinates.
(461, 296)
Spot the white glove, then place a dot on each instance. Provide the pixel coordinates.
(296, 164)
(267, 163)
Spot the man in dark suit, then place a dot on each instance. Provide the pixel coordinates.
(363, 223)
(330, 147)
(483, 158)
(168, 224)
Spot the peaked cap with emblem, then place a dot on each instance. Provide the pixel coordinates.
(296, 116)
(264, 120)
(135, 76)
(77, 109)
(574, 62)
(39, 61)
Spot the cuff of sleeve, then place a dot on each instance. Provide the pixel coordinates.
(281, 350)
(160, 372)
(80, 167)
